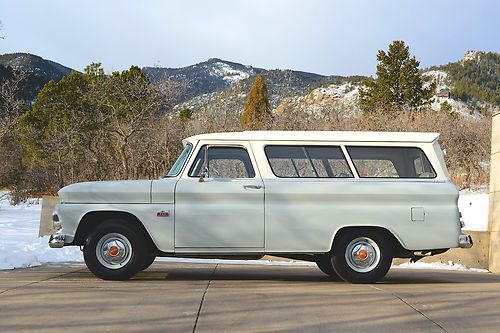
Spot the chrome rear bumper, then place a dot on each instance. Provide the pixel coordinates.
(56, 241)
(465, 241)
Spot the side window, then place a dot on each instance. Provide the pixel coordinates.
(307, 162)
(391, 162)
(223, 162)
(329, 162)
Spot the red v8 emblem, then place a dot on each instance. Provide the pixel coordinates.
(162, 214)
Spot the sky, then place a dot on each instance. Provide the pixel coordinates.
(322, 36)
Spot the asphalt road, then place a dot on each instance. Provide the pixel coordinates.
(173, 297)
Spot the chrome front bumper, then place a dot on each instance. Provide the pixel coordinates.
(56, 241)
(465, 241)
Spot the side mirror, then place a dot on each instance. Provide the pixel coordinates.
(205, 172)
(203, 175)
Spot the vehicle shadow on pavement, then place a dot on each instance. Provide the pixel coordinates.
(236, 273)
(308, 274)
(224, 272)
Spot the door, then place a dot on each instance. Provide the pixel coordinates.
(224, 208)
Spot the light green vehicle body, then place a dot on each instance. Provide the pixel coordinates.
(271, 215)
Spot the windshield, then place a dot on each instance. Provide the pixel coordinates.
(177, 167)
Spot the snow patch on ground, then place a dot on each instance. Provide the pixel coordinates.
(450, 266)
(20, 245)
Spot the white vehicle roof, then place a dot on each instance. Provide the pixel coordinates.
(341, 136)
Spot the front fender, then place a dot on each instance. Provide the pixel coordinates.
(160, 227)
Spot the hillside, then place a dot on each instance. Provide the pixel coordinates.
(39, 71)
(283, 85)
(475, 78)
(470, 86)
(339, 95)
(35, 65)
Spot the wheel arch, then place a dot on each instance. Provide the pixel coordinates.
(397, 248)
(93, 219)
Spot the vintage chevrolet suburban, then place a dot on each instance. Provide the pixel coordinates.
(349, 201)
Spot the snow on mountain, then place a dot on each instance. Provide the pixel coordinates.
(239, 80)
(228, 73)
(339, 98)
(39, 71)
(463, 109)
(443, 85)
(437, 76)
(35, 65)
(205, 77)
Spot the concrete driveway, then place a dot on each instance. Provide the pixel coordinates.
(173, 297)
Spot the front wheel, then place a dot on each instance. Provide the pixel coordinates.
(114, 251)
(362, 257)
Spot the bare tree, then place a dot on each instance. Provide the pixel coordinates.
(11, 105)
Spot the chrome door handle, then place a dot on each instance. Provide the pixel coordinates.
(253, 187)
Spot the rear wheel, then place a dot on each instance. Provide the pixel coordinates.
(148, 261)
(324, 263)
(362, 256)
(115, 251)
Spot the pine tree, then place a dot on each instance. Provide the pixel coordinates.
(398, 85)
(446, 107)
(56, 130)
(257, 106)
(185, 115)
(448, 110)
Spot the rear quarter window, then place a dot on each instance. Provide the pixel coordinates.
(391, 162)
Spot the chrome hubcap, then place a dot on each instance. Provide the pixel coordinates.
(113, 250)
(362, 254)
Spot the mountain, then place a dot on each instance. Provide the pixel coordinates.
(216, 74)
(204, 77)
(208, 77)
(35, 65)
(221, 86)
(39, 71)
(471, 85)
